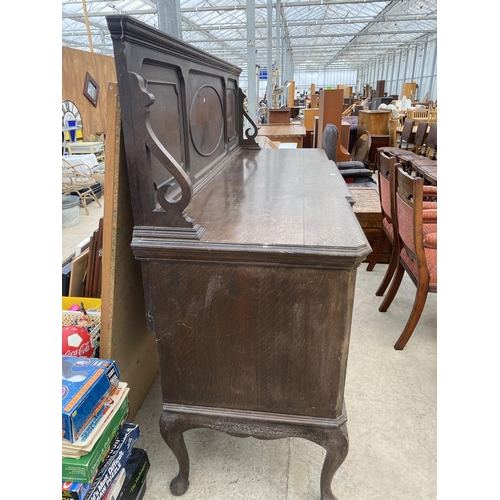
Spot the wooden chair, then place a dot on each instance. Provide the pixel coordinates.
(407, 135)
(406, 157)
(78, 179)
(418, 115)
(417, 243)
(420, 137)
(386, 188)
(433, 115)
(431, 142)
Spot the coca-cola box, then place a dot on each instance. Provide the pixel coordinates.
(86, 384)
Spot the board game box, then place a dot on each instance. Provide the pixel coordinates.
(83, 469)
(136, 470)
(86, 383)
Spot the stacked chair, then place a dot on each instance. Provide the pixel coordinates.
(410, 225)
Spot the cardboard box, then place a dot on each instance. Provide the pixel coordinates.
(88, 438)
(86, 383)
(136, 470)
(116, 459)
(83, 469)
(74, 491)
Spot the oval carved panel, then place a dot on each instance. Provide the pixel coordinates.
(206, 120)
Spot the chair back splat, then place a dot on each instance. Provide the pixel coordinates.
(362, 146)
(431, 142)
(407, 135)
(420, 137)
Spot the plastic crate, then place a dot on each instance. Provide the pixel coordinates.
(93, 308)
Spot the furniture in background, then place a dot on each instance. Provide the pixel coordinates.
(280, 115)
(386, 187)
(87, 159)
(377, 123)
(308, 121)
(427, 169)
(368, 211)
(359, 153)
(420, 137)
(77, 179)
(415, 144)
(97, 148)
(417, 240)
(418, 115)
(280, 132)
(227, 258)
(408, 89)
(331, 105)
(431, 142)
(353, 171)
(406, 141)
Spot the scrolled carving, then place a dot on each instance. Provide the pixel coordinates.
(247, 138)
(174, 208)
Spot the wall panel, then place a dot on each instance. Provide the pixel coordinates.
(75, 64)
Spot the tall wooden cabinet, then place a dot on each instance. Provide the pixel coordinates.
(331, 104)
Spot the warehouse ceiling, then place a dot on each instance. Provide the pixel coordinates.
(321, 34)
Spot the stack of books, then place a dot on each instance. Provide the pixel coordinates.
(99, 461)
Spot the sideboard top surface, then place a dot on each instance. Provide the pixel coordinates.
(277, 197)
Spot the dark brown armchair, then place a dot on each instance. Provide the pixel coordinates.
(353, 171)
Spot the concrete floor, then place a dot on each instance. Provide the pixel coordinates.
(391, 401)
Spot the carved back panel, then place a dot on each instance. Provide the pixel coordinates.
(181, 123)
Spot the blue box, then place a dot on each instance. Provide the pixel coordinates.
(86, 383)
(75, 491)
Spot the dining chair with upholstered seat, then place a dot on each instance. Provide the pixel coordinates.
(417, 248)
(386, 186)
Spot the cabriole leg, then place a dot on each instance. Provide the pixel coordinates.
(336, 446)
(172, 432)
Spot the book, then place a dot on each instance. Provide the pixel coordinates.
(83, 469)
(136, 470)
(85, 443)
(115, 460)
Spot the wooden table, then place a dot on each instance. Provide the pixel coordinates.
(426, 168)
(284, 133)
(369, 214)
